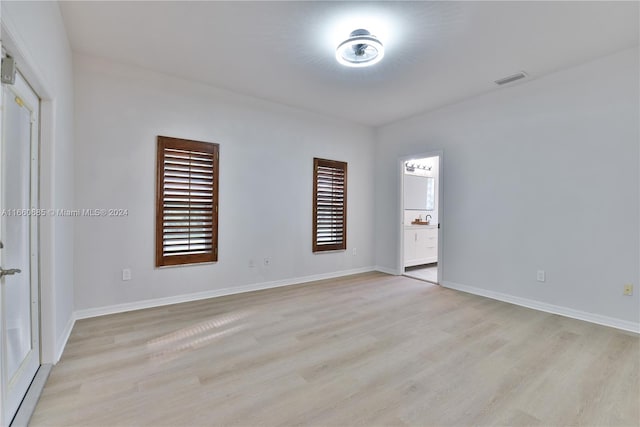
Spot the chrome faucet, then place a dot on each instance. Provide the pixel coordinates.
(428, 218)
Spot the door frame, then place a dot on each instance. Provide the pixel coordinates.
(17, 48)
(31, 102)
(400, 211)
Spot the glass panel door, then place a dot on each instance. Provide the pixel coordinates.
(19, 238)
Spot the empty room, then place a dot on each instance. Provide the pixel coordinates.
(320, 213)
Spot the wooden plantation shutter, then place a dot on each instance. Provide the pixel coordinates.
(329, 205)
(186, 202)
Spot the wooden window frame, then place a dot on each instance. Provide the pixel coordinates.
(167, 143)
(342, 245)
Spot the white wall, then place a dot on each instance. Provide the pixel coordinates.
(34, 33)
(266, 166)
(542, 175)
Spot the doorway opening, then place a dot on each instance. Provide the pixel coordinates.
(421, 188)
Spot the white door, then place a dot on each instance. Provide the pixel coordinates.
(19, 305)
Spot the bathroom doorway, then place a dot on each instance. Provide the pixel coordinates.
(421, 206)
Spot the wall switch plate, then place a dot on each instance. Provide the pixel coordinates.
(355, 252)
(267, 261)
(126, 274)
(540, 276)
(628, 289)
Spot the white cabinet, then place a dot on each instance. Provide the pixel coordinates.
(420, 245)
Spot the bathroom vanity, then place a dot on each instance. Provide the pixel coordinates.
(420, 244)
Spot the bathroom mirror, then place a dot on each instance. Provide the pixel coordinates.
(419, 193)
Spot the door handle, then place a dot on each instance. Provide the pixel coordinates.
(9, 272)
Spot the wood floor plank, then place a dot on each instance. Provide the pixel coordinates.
(369, 349)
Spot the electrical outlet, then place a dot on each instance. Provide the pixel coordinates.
(628, 289)
(540, 276)
(252, 263)
(355, 252)
(267, 261)
(126, 274)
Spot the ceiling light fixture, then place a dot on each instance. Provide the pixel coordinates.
(411, 167)
(361, 49)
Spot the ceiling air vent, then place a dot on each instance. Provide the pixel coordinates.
(511, 78)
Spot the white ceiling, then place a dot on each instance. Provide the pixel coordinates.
(437, 53)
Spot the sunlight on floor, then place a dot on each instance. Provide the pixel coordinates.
(170, 346)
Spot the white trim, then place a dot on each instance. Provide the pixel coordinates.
(158, 302)
(14, 389)
(62, 341)
(625, 325)
(387, 270)
(15, 45)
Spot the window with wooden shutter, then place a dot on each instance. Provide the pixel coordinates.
(329, 205)
(186, 202)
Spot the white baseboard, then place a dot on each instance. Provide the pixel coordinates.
(625, 325)
(386, 270)
(158, 302)
(62, 341)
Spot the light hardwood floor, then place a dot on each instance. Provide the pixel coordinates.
(364, 350)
